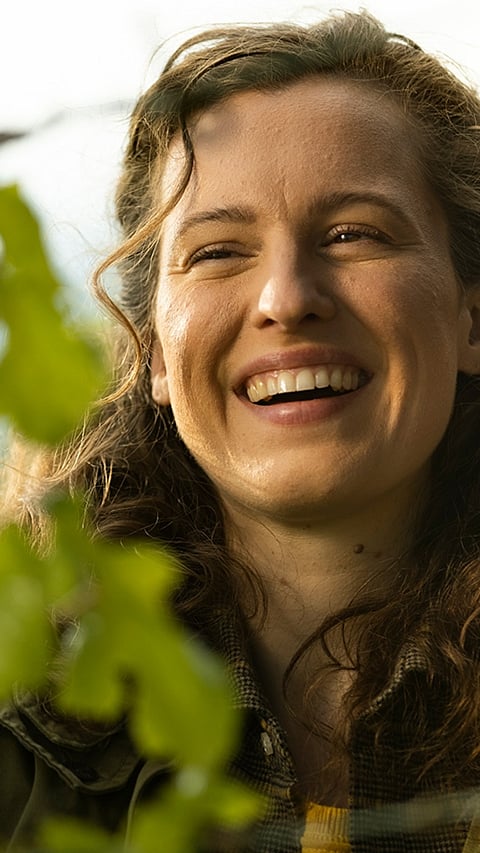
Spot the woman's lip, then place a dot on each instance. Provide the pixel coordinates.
(295, 358)
(300, 412)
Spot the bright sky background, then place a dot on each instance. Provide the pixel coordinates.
(63, 64)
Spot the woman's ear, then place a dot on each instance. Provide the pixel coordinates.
(469, 345)
(158, 373)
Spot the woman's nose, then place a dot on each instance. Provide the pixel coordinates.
(291, 294)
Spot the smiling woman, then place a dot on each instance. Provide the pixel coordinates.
(297, 417)
(338, 270)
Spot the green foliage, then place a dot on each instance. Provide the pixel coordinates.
(127, 647)
(25, 631)
(189, 803)
(61, 835)
(123, 654)
(49, 374)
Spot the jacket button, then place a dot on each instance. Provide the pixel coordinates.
(266, 743)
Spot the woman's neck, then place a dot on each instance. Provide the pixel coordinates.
(311, 570)
(308, 573)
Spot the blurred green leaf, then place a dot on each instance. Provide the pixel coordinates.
(130, 640)
(73, 836)
(25, 632)
(190, 807)
(120, 651)
(49, 374)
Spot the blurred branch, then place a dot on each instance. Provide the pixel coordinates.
(10, 135)
(119, 106)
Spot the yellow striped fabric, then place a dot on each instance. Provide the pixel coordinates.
(326, 830)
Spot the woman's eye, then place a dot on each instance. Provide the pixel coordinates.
(214, 253)
(344, 234)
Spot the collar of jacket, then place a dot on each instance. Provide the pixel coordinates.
(249, 696)
(101, 759)
(87, 758)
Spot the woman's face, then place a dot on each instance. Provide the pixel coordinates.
(310, 324)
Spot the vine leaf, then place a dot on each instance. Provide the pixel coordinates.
(49, 372)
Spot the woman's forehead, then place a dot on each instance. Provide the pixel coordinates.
(318, 133)
(312, 97)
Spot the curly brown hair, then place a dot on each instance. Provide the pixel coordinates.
(139, 477)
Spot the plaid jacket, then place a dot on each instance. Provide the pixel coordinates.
(388, 813)
(49, 766)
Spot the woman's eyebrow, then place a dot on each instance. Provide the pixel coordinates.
(342, 199)
(246, 215)
(234, 213)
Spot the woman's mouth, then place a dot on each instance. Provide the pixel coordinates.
(304, 383)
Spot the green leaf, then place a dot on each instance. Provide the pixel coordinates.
(195, 802)
(25, 632)
(122, 651)
(195, 712)
(49, 374)
(233, 805)
(60, 835)
(21, 237)
(93, 685)
(130, 639)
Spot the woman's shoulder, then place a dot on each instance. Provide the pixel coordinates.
(57, 766)
(86, 756)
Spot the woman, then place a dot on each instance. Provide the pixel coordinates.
(297, 416)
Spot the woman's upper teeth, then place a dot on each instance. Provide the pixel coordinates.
(339, 377)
